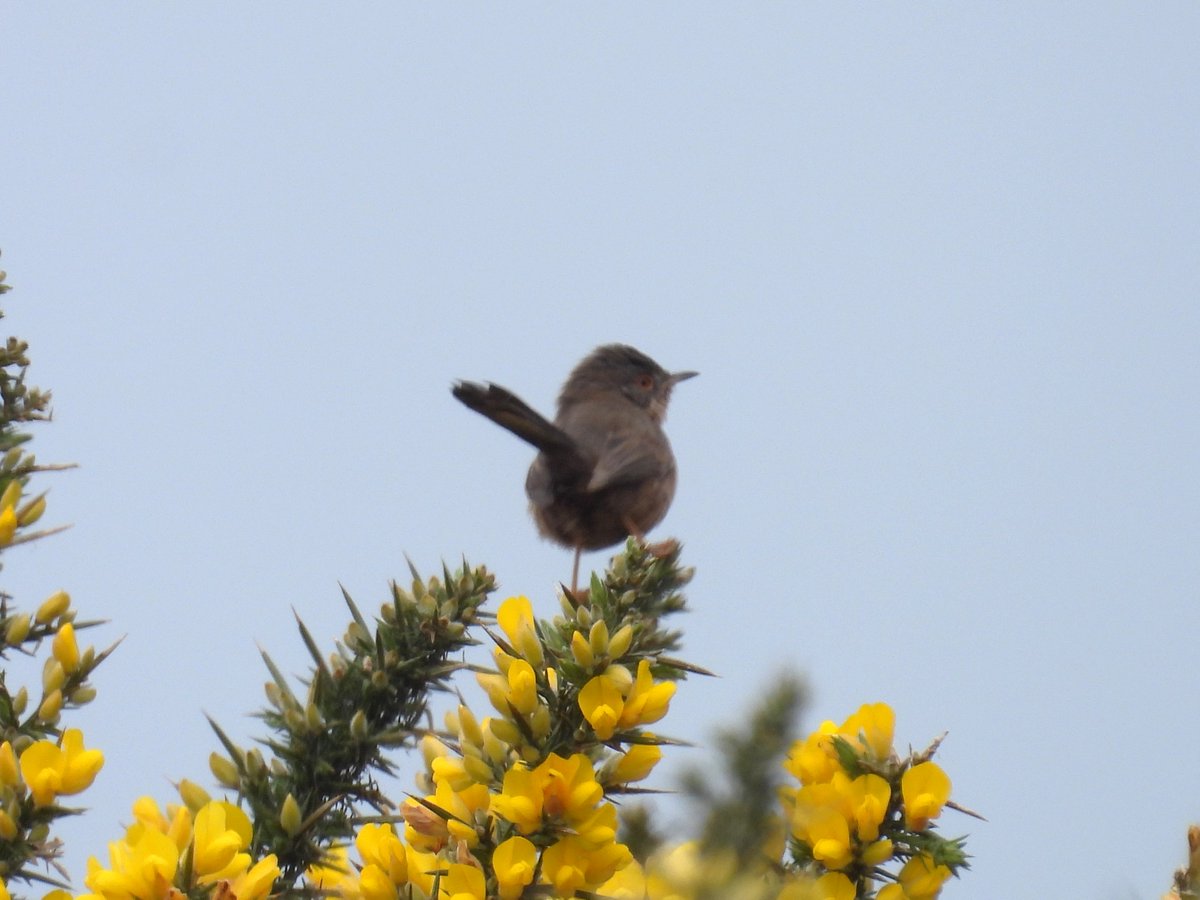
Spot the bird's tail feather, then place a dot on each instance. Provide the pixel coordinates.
(509, 411)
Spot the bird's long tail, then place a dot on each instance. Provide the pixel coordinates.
(509, 411)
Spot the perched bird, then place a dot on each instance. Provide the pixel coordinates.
(604, 468)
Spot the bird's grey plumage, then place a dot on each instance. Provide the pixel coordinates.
(605, 469)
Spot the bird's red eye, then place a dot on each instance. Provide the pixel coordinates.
(645, 381)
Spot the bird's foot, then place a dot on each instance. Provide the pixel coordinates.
(662, 548)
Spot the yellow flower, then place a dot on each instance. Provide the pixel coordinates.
(50, 771)
(421, 867)
(598, 828)
(256, 882)
(146, 811)
(601, 702)
(464, 882)
(828, 835)
(813, 760)
(571, 864)
(869, 796)
(871, 729)
(830, 886)
(647, 702)
(220, 833)
(559, 788)
(629, 883)
(925, 788)
(568, 786)
(922, 879)
(143, 869)
(876, 853)
(636, 763)
(147, 815)
(614, 699)
(520, 801)
(374, 884)
(451, 771)
(428, 830)
(514, 863)
(379, 846)
(515, 618)
(513, 689)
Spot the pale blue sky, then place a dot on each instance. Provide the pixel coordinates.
(937, 265)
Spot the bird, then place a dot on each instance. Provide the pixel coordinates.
(604, 469)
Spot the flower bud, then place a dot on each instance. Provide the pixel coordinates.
(582, 650)
(51, 706)
(314, 719)
(8, 828)
(17, 629)
(53, 607)
(224, 771)
(358, 726)
(31, 512)
(83, 695)
(621, 677)
(290, 818)
(53, 675)
(65, 648)
(10, 776)
(598, 638)
(20, 701)
(479, 771)
(540, 722)
(494, 749)
(469, 726)
(192, 795)
(505, 730)
(256, 765)
(618, 646)
(11, 494)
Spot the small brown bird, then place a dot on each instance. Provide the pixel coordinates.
(604, 469)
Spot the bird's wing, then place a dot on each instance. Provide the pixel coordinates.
(625, 460)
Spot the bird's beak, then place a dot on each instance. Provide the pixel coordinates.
(675, 377)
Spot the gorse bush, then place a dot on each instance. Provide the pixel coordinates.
(541, 797)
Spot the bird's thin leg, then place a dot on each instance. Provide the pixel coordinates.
(634, 532)
(575, 572)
